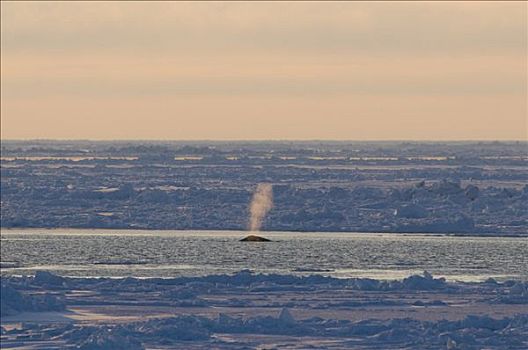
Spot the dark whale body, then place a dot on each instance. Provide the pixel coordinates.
(253, 238)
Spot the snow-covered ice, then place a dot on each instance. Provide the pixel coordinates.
(248, 310)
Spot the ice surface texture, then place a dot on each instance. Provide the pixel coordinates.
(246, 291)
(372, 187)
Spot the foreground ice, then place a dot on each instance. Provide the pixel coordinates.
(247, 310)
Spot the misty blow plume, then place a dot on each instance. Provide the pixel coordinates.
(261, 204)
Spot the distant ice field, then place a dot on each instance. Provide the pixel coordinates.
(140, 253)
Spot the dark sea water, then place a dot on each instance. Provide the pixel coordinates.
(116, 253)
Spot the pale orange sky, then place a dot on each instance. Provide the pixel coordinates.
(264, 70)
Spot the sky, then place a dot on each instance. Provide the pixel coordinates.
(264, 70)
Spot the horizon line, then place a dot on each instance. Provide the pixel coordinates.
(258, 140)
